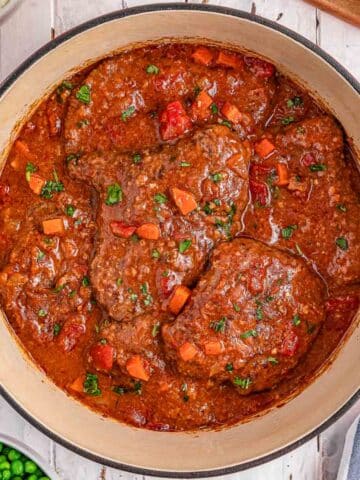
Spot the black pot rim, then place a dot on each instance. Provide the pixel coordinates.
(6, 84)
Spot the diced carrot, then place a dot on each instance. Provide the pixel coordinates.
(213, 348)
(15, 164)
(200, 107)
(122, 230)
(231, 113)
(54, 226)
(202, 55)
(78, 384)
(187, 351)
(163, 387)
(226, 60)
(36, 183)
(185, 201)
(24, 150)
(283, 177)
(136, 368)
(264, 148)
(149, 231)
(179, 298)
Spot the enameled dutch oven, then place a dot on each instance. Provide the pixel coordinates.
(202, 453)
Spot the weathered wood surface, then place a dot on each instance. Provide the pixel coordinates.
(36, 22)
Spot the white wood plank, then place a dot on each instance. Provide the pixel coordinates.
(23, 33)
(341, 40)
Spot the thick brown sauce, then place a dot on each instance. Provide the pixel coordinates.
(43, 282)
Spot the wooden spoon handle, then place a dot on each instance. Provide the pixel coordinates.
(349, 10)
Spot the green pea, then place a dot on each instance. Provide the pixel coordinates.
(17, 478)
(14, 455)
(6, 475)
(4, 466)
(17, 467)
(32, 477)
(3, 458)
(30, 467)
(44, 478)
(6, 450)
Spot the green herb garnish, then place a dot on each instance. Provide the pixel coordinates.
(83, 94)
(317, 167)
(114, 194)
(70, 210)
(249, 333)
(243, 383)
(342, 243)
(129, 112)
(160, 198)
(219, 326)
(91, 385)
(152, 69)
(29, 169)
(287, 232)
(184, 245)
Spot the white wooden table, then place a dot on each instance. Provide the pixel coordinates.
(36, 22)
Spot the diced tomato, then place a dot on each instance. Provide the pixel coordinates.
(122, 230)
(290, 344)
(258, 170)
(202, 55)
(70, 334)
(260, 68)
(342, 303)
(259, 192)
(174, 121)
(228, 60)
(308, 159)
(102, 356)
(4, 194)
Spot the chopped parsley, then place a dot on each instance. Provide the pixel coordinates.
(259, 314)
(83, 123)
(29, 169)
(155, 330)
(185, 164)
(287, 120)
(341, 207)
(207, 208)
(317, 167)
(138, 387)
(70, 210)
(71, 157)
(226, 123)
(136, 158)
(118, 389)
(184, 245)
(119, 282)
(236, 307)
(56, 329)
(85, 281)
(294, 102)
(129, 112)
(272, 360)
(342, 243)
(83, 94)
(42, 313)
(51, 187)
(144, 289)
(91, 385)
(40, 255)
(229, 367)
(160, 198)
(243, 383)
(114, 194)
(288, 231)
(133, 297)
(216, 177)
(59, 288)
(219, 326)
(249, 333)
(152, 69)
(155, 254)
(296, 320)
(214, 108)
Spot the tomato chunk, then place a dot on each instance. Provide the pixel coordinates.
(202, 55)
(290, 344)
(342, 303)
(174, 121)
(102, 356)
(259, 192)
(308, 159)
(260, 68)
(122, 230)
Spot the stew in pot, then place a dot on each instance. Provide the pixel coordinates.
(180, 236)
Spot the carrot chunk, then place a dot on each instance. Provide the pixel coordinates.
(202, 55)
(187, 351)
(185, 201)
(149, 231)
(213, 348)
(23, 149)
(179, 298)
(136, 368)
(36, 183)
(230, 61)
(78, 384)
(283, 177)
(264, 148)
(231, 113)
(121, 229)
(200, 107)
(54, 226)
